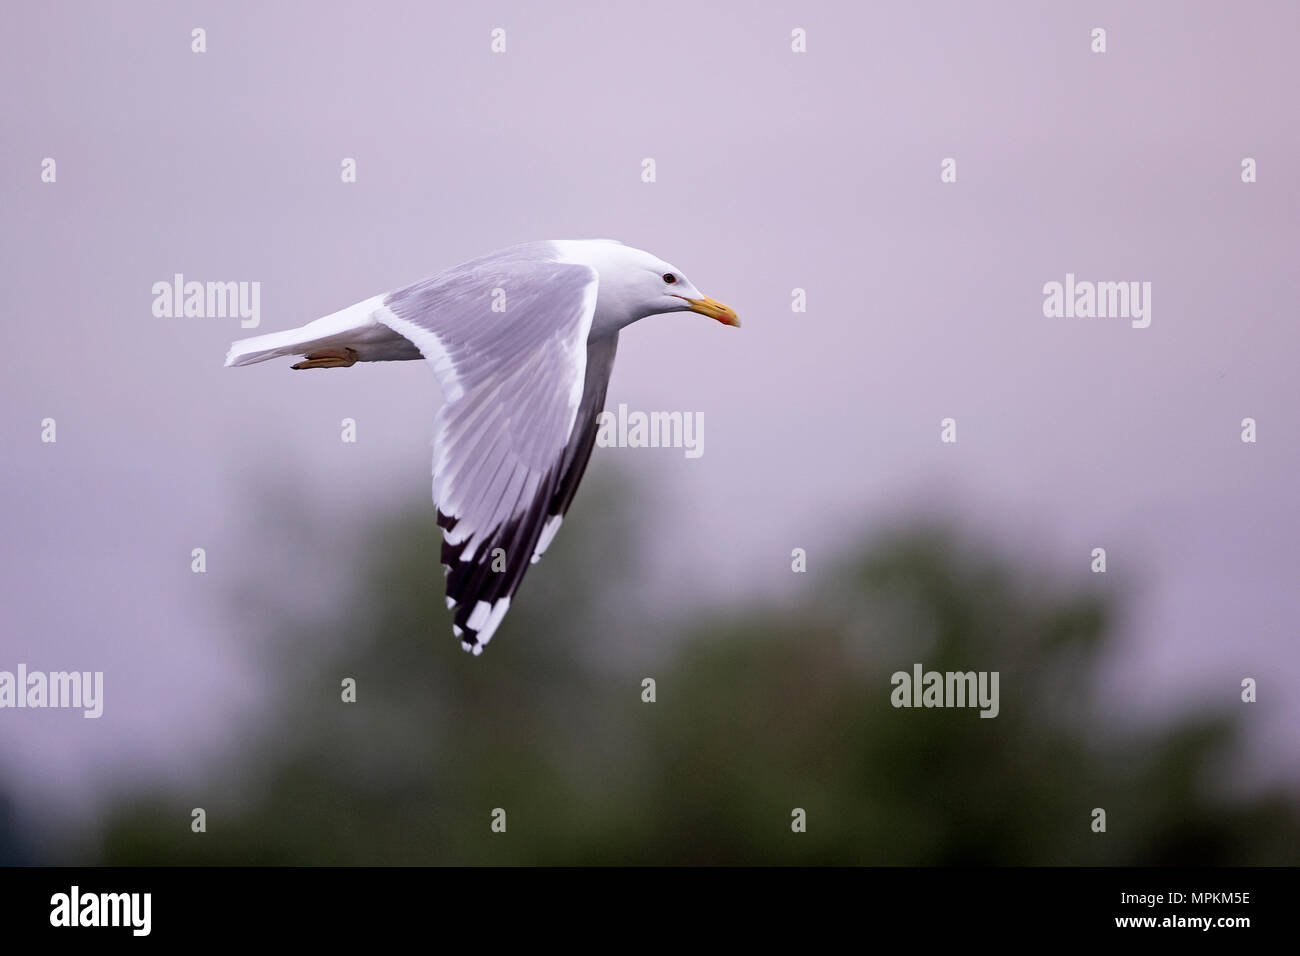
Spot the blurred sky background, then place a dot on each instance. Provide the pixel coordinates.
(774, 171)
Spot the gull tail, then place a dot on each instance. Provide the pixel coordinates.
(352, 327)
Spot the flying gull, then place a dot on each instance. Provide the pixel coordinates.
(522, 343)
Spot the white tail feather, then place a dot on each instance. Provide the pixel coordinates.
(348, 327)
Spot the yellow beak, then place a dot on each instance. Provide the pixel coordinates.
(715, 310)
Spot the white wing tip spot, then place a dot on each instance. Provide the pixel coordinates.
(479, 616)
(548, 535)
(494, 619)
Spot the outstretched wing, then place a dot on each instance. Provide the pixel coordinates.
(507, 338)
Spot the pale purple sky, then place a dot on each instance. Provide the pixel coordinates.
(775, 170)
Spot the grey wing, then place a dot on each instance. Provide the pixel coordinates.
(507, 340)
(600, 363)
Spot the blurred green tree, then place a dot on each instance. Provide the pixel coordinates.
(759, 711)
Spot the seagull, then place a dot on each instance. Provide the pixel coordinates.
(522, 344)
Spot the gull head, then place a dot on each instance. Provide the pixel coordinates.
(634, 284)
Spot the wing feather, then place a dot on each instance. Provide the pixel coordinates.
(522, 390)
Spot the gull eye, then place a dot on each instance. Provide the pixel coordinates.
(669, 278)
